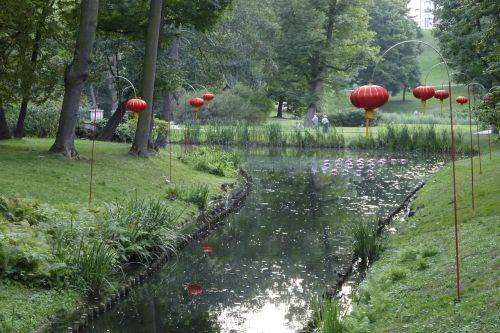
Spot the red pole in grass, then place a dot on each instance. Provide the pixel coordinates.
(457, 259)
(471, 150)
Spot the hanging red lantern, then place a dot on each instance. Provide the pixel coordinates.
(208, 96)
(194, 289)
(462, 100)
(487, 99)
(137, 105)
(369, 97)
(441, 95)
(196, 102)
(207, 248)
(423, 93)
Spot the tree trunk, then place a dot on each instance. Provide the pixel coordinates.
(109, 130)
(312, 108)
(279, 114)
(404, 92)
(142, 134)
(27, 82)
(167, 112)
(74, 79)
(321, 71)
(4, 127)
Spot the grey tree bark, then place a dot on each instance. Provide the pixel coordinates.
(317, 83)
(143, 132)
(279, 113)
(75, 76)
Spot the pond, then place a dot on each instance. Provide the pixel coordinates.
(261, 269)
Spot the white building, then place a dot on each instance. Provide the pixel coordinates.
(422, 12)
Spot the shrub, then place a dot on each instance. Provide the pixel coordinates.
(240, 103)
(352, 118)
(212, 160)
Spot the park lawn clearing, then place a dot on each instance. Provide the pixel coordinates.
(412, 287)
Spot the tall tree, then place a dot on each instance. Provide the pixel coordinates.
(323, 39)
(399, 68)
(467, 31)
(29, 67)
(143, 131)
(74, 79)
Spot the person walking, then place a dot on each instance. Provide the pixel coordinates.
(325, 122)
(315, 121)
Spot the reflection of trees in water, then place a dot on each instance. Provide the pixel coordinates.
(283, 247)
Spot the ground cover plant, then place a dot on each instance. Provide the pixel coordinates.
(56, 248)
(412, 287)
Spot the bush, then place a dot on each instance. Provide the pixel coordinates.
(352, 118)
(241, 104)
(212, 160)
(41, 120)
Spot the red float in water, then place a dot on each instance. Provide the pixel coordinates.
(207, 248)
(194, 289)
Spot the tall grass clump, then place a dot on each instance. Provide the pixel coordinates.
(198, 195)
(366, 243)
(328, 316)
(94, 262)
(274, 135)
(192, 133)
(423, 119)
(212, 160)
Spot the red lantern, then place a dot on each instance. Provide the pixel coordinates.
(208, 96)
(196, 102)
(207, 248)
(136, 105)
(194, 289)
(462, 100)
(423, 93)
(369, 98)
(487, 99)
(441, 95)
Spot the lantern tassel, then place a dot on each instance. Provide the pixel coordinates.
(423, 103)
(136, 119)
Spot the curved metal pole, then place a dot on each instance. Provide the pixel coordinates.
(94, 127)
(199, 85)
(452, 151)
(430, 70)
(477, 123)
(190, 86)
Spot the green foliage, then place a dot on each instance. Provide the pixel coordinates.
(93, 263)
(328, 316)
(212, 160)
(140, 229)
(488, 111)
(366, 243)
(399, 68)
(467, 31)
(351, 118)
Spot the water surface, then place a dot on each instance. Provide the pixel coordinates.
(282, 249)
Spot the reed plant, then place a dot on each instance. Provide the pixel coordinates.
(94, 262)
(274, 135)
(365, 241)
(328, 316)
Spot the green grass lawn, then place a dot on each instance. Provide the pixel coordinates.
(28, 170)
(412, 287)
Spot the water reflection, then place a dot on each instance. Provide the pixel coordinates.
(259, 272)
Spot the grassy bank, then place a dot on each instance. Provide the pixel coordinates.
(412, 287)
(55, 248)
